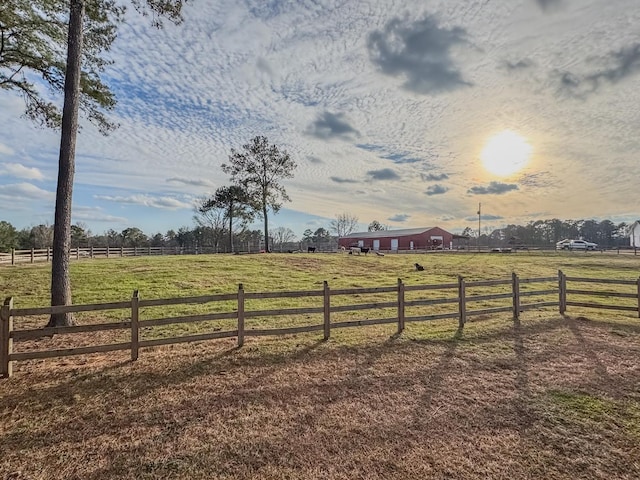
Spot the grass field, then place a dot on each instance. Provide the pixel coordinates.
(547, 397)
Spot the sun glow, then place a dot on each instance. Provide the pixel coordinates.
(505, 153)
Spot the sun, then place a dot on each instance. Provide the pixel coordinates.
(505, 153)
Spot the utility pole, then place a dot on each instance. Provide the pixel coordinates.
(479, 207)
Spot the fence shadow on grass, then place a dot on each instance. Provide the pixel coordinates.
(123, 386)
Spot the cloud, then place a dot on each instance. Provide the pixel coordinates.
(420, 52)
(20, 171)
(343, 180)
(617, 66)
(494, 188)
(537, 180)
(95, 214)
(548, 5)
(436, 189)
(315, 160)
(485, 217)
(5, 150)
(399, 217)
(167, 203)
(384, 174)
(191, 181)
(400, 158)
(433, 177)
(522, 64)
(20, 191)
(329, 125)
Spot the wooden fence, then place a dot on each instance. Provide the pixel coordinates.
(34, 255)
(458, 295)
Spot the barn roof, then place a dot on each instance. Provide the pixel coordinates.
(389, 233)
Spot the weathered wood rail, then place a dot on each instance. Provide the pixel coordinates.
(35, 255)
(459, 296)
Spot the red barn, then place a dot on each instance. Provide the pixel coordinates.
(425, 238)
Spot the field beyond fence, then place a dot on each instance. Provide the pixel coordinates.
(398, 304)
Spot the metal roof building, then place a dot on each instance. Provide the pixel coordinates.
(423, 238)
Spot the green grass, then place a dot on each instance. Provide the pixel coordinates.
(172, 276)
(109, 280)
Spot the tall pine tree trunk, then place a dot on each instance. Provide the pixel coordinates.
(231, 229)
(266, 225)
(60, 281)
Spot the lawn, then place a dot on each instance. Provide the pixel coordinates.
(546, 397)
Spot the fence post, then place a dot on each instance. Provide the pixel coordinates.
(135, 330)
(327, 311)
(135, 251)
(121, 252)
(562, 292)
(91, 252)
(462, 302)
(240, 315)
(13, 256)
(638, 282)
(515, 289)
(400, 306)
(48, 254)
(77, 253)
(6, 342)
(32, 255)
(107, 251)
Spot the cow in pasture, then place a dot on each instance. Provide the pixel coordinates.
(365, 250)
(419, 267)
(355, 250)
(311, 249)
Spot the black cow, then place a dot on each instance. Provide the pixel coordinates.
(311, 249)
(365, 250)
(419, 267)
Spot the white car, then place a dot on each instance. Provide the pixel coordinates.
(563, 244)
(581, 245)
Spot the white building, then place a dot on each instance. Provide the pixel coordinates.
(634, 234)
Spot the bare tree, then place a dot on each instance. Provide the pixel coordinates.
(211, 218)
(376, 226)
(344, 224)
(282, 235)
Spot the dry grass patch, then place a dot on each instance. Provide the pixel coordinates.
(549, 398)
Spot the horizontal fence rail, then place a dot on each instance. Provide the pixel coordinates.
(455, 296)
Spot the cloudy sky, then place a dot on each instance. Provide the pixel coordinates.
(385, 105)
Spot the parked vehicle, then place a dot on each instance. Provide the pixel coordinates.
(581, 245)
(563, 244)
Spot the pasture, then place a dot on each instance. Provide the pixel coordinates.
(545, 397)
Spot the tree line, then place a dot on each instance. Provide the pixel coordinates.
(223, 228)
(546, 233)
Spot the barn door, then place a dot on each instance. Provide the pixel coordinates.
(394, 244)
(376, 244)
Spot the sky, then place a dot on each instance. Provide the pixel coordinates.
(386, 107)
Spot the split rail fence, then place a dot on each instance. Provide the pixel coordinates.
(460, 297)
(35, 255)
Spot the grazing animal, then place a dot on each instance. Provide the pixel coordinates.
(365, 250)
(311, 249)
(342, 247)
(419, 267)
(379, 254)
(355, 250)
